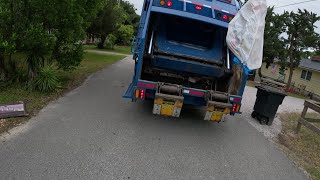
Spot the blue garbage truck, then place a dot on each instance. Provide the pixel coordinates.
(181, 58)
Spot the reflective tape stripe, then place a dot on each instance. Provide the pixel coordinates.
(196, 3)
(225, 11)
(216, 8)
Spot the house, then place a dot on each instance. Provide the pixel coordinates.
(305, 77)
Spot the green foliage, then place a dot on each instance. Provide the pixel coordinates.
(114, 15)
(37, 44)
(273, 45)
(69, 56)
(111, 41)
(301, 33)
(45, 31)
(20, 76)
(124, 34)
(132, 18)
(107, 21)
(47, 80)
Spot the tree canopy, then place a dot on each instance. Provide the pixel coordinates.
(44, 31)
(116, 17)
(301, 35)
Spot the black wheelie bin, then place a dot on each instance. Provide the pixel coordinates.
(267, 103)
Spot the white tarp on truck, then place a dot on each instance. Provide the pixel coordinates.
(245, 36)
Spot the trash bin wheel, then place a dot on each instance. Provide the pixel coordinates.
(254, 114)
(263, 120)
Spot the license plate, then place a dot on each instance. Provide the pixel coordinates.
(167, 108)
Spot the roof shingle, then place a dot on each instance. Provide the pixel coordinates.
(310, 64)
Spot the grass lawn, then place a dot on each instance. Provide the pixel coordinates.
(303, 148)
(117, 49)
(35, 101)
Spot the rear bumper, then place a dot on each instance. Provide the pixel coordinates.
(196, 97)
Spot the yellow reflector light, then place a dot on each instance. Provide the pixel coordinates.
(230, 18)
(137, 93)
(162, 3)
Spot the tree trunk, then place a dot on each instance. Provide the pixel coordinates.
(290, 78)
(12, 67)
(291, 64)
(260, 73)
(2, 68)
(101, 43)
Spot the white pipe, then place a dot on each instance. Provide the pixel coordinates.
(151, 41)
(228, 58)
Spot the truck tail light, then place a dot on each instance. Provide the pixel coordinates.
(225, 17)
(169, 3)
(140, 93)
(162, 2)
(198, 7)
(236, 108)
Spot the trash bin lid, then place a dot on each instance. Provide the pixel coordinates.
(272, 90)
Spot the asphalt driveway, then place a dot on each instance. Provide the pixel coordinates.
(92, 133)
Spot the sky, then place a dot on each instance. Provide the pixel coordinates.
(310, 6)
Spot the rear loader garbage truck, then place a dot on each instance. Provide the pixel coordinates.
(182, 58)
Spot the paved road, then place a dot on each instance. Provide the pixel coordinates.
(92, 133)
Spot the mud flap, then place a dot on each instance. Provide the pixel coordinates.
(217, 110)
(167, 105)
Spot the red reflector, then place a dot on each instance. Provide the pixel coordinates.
(236, 99)
(225, 17)
(169, 3)
(147, 85)
(199, 8)
(197, 93)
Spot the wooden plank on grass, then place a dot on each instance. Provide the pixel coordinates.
(312, 120)
(10, 110)
(313, 105)
(309, 125)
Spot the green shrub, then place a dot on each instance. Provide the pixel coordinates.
(69, 56)
(47, 80)
(124, 34)
(110, 42)
(20, 76)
